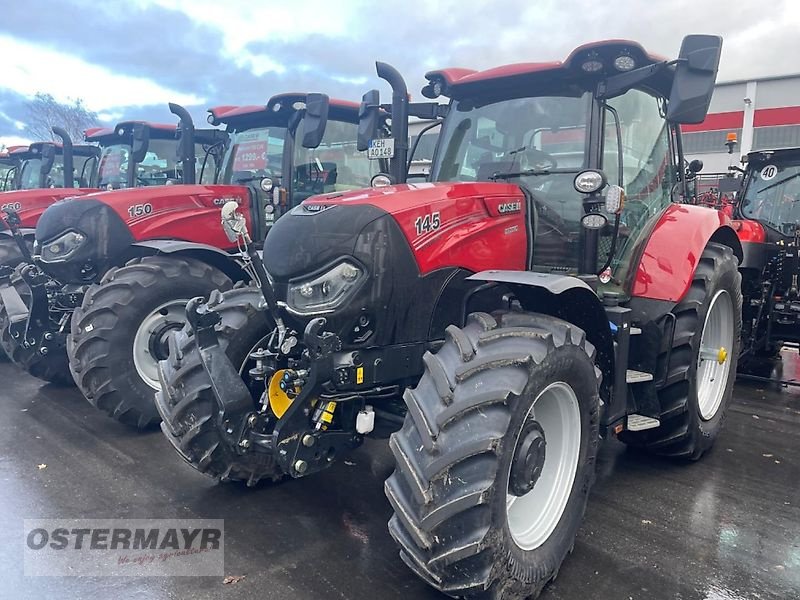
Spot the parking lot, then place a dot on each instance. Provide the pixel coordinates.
(726, 528)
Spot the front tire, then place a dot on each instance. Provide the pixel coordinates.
(695, 397)
(506, 415)
(120, 331)
(186, 401)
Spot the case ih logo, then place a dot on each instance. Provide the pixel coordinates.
(224, 201)
(315, 208)
(509, 207)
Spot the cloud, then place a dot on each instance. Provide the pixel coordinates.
(129, 59)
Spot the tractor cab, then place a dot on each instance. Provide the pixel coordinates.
(8, 167)
(42, 165)
(295, 146)
(768, 225)
(139, 154)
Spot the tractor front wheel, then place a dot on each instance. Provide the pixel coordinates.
(121, 331)
(496, 457)
(186, 401)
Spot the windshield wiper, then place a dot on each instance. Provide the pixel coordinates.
(527, 172)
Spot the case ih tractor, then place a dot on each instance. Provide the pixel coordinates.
(131, 259)
(542, 291)
(132, 154)
(8, 168)
(769, 229)
(36, 180)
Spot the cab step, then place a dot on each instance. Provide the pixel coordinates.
(640, 423)
(632, 376)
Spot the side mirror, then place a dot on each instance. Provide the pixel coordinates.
(695, 75)
(141, 141)
(48, 159)
(695, 166)
(315, 119)
(368, 119)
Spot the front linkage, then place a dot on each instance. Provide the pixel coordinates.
(303, 436)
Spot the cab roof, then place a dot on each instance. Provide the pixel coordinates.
(521, 78)
(159, 131)
(264, 115)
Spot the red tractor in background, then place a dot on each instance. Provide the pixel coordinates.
(36, 179)
(8, 168)
(132, 258)
(544, 289)
(768, 225)
(133, 153)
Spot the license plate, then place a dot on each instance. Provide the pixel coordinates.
(383, 148)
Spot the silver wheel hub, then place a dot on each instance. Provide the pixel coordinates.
(714, 360)
(543, 467)
(151, 339)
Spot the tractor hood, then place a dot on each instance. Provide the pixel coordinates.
(111, 221)
(326, 227)
(30, 204)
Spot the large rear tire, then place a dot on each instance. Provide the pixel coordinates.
(697, 391)
(187, 404)
(52, 367)
(496, 457)
(120, 332)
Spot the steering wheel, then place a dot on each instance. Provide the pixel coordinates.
(539, 159)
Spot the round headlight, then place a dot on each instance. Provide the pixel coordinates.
(592, 66)
(269, 209)
(624, 63)
(277, 107)
(437, 88)
(594, 221)
(588, 182)
(210, 118)
(381, 180)
(266, 184)
(306, 291)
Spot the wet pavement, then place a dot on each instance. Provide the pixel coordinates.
(726, 528)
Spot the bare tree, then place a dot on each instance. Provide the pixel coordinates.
(44, 111)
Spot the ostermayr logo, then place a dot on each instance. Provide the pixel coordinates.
(124, 547)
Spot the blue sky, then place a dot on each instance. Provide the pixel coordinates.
(127, 59)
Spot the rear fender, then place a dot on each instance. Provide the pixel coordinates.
(224, 261)
(564, 297)
(670, 255)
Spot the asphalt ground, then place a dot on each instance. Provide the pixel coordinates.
(725, 528)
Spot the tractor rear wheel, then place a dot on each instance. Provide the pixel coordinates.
(701, 364)
(121, 331)
(186, 401)
(52, 367)
(496, 457)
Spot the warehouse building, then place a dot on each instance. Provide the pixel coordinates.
(763, 113)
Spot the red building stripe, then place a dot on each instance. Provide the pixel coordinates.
(770, 117)
(716, 121)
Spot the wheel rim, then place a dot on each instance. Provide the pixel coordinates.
(533, 516)
(151, 341)
(714, 361)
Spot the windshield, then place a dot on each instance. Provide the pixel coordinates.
(773, 195)
(254, 154)
(539, 143)
(335, 165)
(6, 177)
(30, 173)
(159, 166)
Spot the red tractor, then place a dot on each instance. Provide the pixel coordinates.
(8, 168)
(132, 154)
(35, 179)
(768, 225)
(130, 260)
(544, 290)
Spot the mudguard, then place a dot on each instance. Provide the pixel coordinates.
(567, 298)
(670, 255)
(226, 262)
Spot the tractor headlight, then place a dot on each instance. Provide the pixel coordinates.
(589, 182)
(624, 62)
(327, 291)
(61, 248)
(266, 184)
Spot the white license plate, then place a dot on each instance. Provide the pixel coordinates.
(383, 148)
